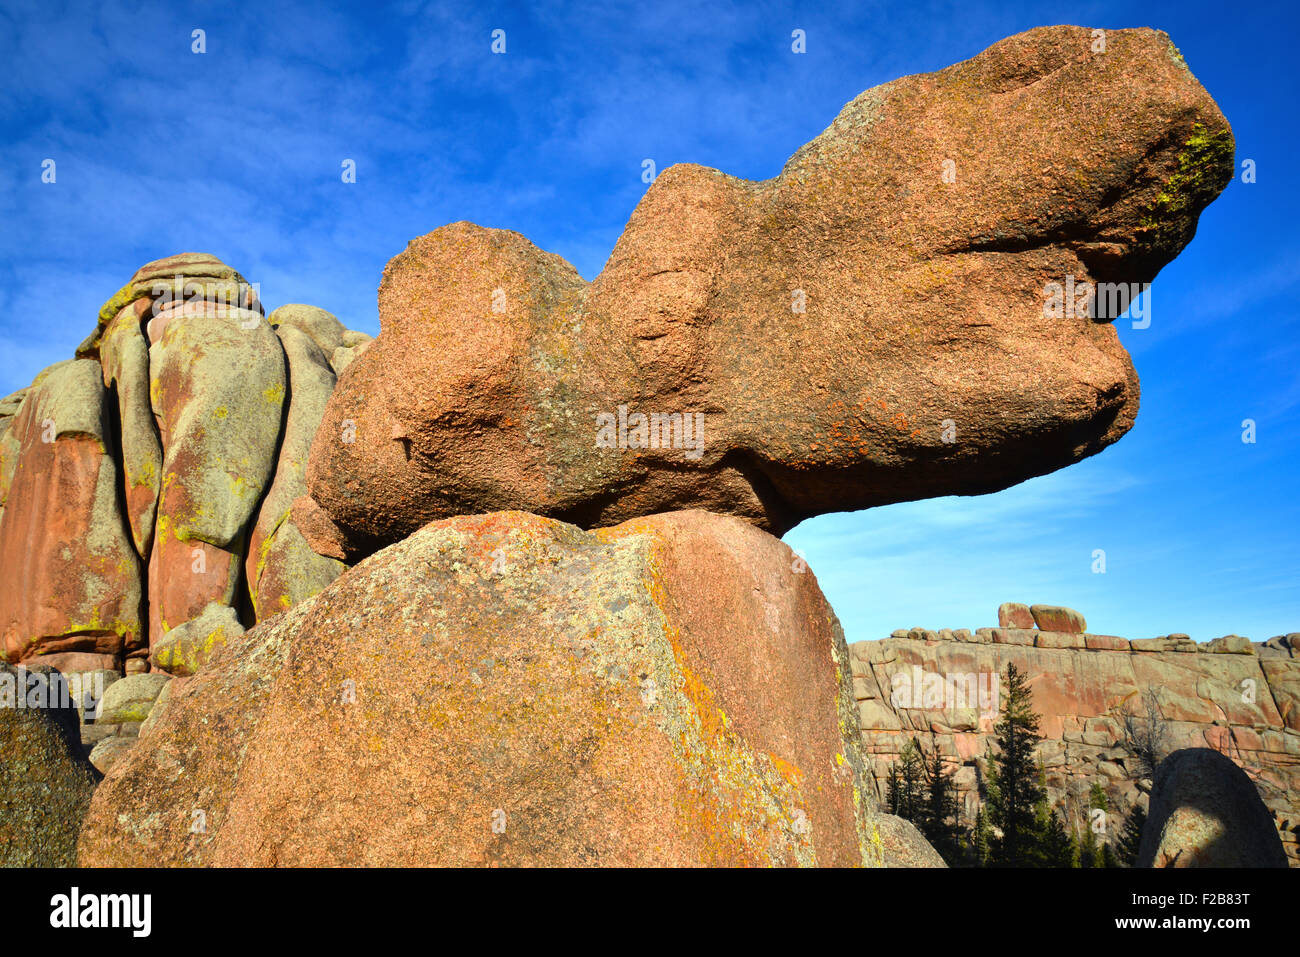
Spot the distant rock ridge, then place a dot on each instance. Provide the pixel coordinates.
(1235, 696)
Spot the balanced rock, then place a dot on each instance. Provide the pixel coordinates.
(882, 321)
(508, 689)
(1015, 615)
(1206, 812)
(1058, 618)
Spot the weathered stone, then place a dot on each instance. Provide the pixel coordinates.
(323, 328)
(1283, 679)
(110, 750)
(160, 704)
(803, 326)
(1231, 645)
(1105, 643)
(508, 689)
(1013, 636)
(281, 568)
(1012, 614)
(187, 647)
(130, 698)
(218, 387)
(45, 782)
(69, 662)
(124, 355)
(1060, 639)
(1205, 812)
(71, 575)
(87, 688)
(897, 843)
(1058, 618)
(1154, 645)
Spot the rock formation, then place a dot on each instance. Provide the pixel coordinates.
(493, 684)
(877, 323)
(45, 781)
(1231, 695)
(146, 485)
(508, 689)
(1205, 812)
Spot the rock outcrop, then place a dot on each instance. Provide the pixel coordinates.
(1205, 812)
(148, 483)
(541, 659)
(71, 575)
(882, 321)
(1239, 698)
(508, 689)
(45, 780)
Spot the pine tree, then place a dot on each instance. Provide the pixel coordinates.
(1108, 857)
(906, 790)
(938, 817)
(893, 789)
(1015, 792)
(1089, 853)
(981, 840)
(1130, 839)
(1051, 844)
(1057, 847)
(1094, 853)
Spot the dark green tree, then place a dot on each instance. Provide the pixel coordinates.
(981, 838)
(1108, 856)
(1056, 846)
(893, 792)
(1015, 791)
(1094, 848)
(906, 787)
(938, 816)
(1130, 839)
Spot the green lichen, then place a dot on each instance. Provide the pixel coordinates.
(1204, 167)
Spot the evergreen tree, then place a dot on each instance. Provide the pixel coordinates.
(1094, 853)
(1051, 844)
(906, 790)
(1056, 848)
(1130, 839)
(1108, 856)
(1089, 852)
(938, 817)
(893, 792)
(1015, 791)
(981, 840)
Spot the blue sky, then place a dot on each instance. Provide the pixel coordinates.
(238, 152)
